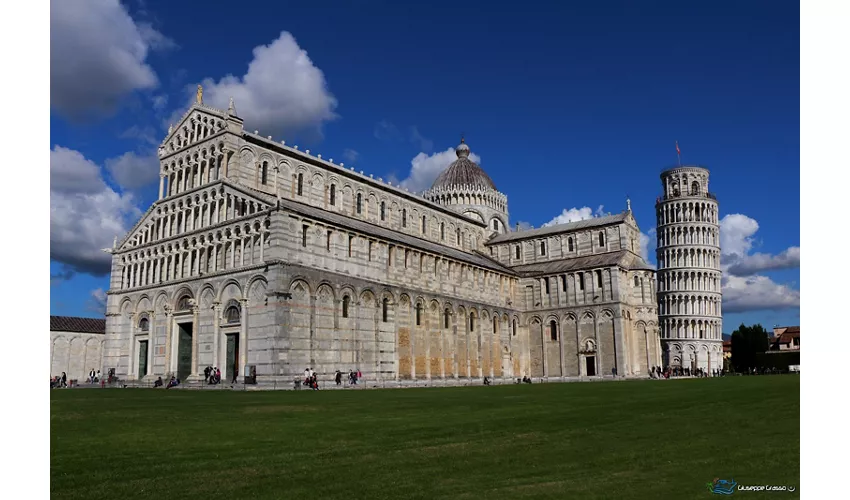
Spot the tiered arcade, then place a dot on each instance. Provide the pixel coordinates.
(689, 296)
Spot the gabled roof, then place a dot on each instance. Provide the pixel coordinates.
(194, 107)
(78, 325)
(559, 228)
(392, 236)
(621, 258)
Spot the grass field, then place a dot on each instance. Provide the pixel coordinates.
(638, 439)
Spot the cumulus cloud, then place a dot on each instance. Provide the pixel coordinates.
(97, 56)
(737, 238)
(133, 171)
(752, 293)
(743, 289)
(85, 214)
(282, 93)
(524, 226)
(425, 168)
(751, 264)
(736, 234)
(575, 214)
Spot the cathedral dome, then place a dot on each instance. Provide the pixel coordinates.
(463, 172)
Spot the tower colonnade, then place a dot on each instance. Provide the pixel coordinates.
(689, 276)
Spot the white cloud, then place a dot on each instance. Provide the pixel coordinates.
(283, 92)
(751, 264)
(736, 234)
(425, 168)
(85, 214)
(97, 56)
(575, 214)
(132, 171)
(754, 293)
(743, 289)
(737, 238)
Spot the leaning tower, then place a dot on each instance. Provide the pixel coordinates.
(688, 255)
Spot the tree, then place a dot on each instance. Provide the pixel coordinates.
(746, 342)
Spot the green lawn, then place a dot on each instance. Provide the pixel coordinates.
(637, 439)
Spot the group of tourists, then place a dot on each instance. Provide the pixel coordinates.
(212, 375)
(311, 380)
(174, 382)
(59, 381)
(94, 376)
(678, 371)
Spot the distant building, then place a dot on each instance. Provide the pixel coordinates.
(727, 349)
(785, 338)
(76, 346)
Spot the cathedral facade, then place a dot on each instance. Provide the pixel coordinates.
(262, 258)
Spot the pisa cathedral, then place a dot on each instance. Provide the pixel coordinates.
(262, 258)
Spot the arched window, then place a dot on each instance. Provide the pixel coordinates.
(403, 217)
(494, 324)
(581, 281)
(442, 231)
(345, 302)
(183, 303)
(495, 225)
(264, 173)
(424, 224)
(570, 243)
(695, 188)
(553, 330)
(542, 248)
(418, 314)
(514, 328)
(601, 239)
(564, 282)
(144, 325)
(471, 323)
(546, 281)
(359, 202)
(599, 279)
(333, 195)
(458, 236)
(636, 281)
(232, 314)
(300, 184)
(383, 210)
(384, 307)
(304, 235)
(446, 318)
(517, 251)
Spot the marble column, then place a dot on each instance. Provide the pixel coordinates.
(195, 334)
(161, 185)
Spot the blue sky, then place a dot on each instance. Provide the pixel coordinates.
(568, 108)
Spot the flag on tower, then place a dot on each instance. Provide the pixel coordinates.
(677, 148)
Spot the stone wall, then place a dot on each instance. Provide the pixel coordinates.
(76, 354)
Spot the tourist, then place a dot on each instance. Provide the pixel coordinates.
(217, 375)
(64, 380)
(157, 383)
(338, 377)
(172, 383)
(97, 376)
(306, 376)
(207, 374)
(359, 376)
(91, 376)
(486, 381)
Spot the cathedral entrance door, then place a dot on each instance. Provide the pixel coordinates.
(590, 364)
(231, 366)
(143, 358)
(184, 351)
